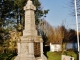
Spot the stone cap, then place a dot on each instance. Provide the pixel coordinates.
(29, 2)
(29, 6)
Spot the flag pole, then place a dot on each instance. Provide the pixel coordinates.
(77, 27)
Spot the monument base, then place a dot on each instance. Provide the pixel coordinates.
(24, 58)
(41, 58)
(30, 58)
(26, 48)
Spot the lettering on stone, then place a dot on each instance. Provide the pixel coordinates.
(28, 19)
(37, 49)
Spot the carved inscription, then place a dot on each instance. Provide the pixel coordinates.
(28, 19)
(37, 49)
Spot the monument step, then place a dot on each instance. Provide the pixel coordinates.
(38, 58)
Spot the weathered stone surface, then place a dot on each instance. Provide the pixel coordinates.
(30, 45)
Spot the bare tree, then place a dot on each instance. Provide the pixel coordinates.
(78, 7)
(47, 29)
(54, 35)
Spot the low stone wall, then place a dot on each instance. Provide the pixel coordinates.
(64, 57)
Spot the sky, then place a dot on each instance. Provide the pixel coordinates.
(60, 12)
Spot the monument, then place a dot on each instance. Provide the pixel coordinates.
(30, 45)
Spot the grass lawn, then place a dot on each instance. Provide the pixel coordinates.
(57, 55)
(71, 53)
(54, 55)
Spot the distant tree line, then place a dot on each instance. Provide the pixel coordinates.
(58, 34)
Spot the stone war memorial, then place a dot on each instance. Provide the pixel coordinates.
(30, 45)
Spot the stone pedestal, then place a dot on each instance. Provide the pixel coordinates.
(30, 45)
(30, 48)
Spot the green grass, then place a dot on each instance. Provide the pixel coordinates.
(57, 55)
(54, 55)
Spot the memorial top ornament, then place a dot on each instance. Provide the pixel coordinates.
(29, 5)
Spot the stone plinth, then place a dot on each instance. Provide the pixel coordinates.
(26, 48)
